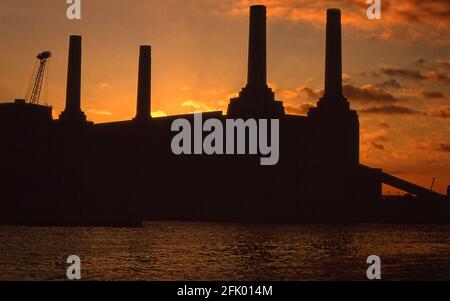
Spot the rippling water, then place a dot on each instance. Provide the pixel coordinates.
(206, 251)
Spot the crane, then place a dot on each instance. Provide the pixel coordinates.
(35, 93)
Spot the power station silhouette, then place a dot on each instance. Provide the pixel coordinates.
(73, 172)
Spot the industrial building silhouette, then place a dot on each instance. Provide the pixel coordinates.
(73, 172)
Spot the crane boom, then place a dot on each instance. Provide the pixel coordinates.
(37, 85)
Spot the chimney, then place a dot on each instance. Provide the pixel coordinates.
(144, 84)
(256, 99)
(257, 52)
(72, 110)
(333, 69)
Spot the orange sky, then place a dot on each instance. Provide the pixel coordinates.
(397, 70)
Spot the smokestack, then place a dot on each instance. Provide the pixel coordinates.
(333, 69)
(256, 99)
(257, 52)
(144, 83)
(73, 90)
(72, 110)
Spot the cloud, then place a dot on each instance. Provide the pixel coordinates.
(308, 94)
(433, 95)
(382, 138)
(429, 146)
(104, 86)
(197, 106)
(378, 146)
(420, 61)
(100, 112)
(297, 101)
(444, 63)
(407, 20)
(416, 74)
(438, 76)
(360, 73)
(378, 140)
(375, 139)
(368, 93)
(392, 83)
(413, 74)
(296, 96)
(384, 125)
(287, 95)
(159, 114)
(444, 147)
(375, 74)
(346, 78)
(301, 109)
(391, 110)
(441, 112)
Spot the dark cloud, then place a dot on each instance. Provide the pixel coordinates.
(443, 113)
(375, 74)
(379, 142)
(309, 94)
(430, 146)
(433, 95)
(444, 63)
(384, 125)
(382, 139)
(420, 61)
(392, 83)
(444, 147)
(416, 74)
(368, 93)
(391, 110)
(438, 76)
(413, 74)
(378, 146)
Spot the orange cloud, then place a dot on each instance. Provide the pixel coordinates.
(392, 110)
(100, 112)
(197, 106)
(368, 93)
(159, 114)
(441, 112)
(430, 146)
(301, 109)
(407, 20)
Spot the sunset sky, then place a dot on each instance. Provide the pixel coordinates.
(396, 70)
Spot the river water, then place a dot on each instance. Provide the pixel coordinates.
(210, 251)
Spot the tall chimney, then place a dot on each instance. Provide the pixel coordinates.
(73, 91)
(72, 110)
(144, 83)
(257, 53)
(333, 69)
(256, 99)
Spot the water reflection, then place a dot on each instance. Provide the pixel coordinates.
(199, 251)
